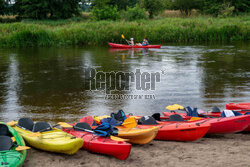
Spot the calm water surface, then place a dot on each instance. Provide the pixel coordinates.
(49, 83)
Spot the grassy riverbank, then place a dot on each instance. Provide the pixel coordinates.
(54, 33)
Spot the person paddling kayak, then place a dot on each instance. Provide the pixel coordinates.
(144, 43)
(131, 42)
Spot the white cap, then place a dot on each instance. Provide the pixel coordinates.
(131, 39)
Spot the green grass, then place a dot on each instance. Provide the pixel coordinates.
(71, 32)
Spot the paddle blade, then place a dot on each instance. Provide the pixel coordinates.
(13, 139)
(12, 123)
(20, 148)
(118, 138)
(129, 123)
(123, 36)
(65, 125)
(37, 134)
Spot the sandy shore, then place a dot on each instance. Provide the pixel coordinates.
(217, 150)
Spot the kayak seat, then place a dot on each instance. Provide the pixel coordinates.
(5, 143)
(247, 113)
(4, 130)
(81, 126)
(119, 116)
(175, 117)
(215, 109)
(26, 123)
(157, 116)
(41, 127)
(230, 113)
(147, 120)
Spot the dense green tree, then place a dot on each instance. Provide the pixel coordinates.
(216, 7)
(121, 4)
(3, 7)
(41, 9)
(105, 13)
(62, 9)
(153, 6)
(186, 6)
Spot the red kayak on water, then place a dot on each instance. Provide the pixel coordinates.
(221, 124)
(238, 106)
(179, 131)
(113, 45)
(102, 145)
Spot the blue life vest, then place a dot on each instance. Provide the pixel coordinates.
(143, 44)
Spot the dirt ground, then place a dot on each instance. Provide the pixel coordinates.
(216, 150)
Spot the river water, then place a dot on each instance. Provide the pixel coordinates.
(50, 83)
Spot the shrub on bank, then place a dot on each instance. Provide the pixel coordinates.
(105, 13)
(135, 13)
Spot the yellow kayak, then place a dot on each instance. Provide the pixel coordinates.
(54, 140)
(137, 135)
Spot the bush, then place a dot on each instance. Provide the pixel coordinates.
(186, 6)
(154, 7)
(135, 13)
(227, 10)
(105, 13)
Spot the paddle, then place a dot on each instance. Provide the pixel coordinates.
(129, 122)
(20, 148)
(125, 39)
(13, 139)
(66, 125)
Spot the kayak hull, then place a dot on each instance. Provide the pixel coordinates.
(180, 131)
(133, 135)
(14, 158)
(238, 106)
(228, 124)
(102, 145)
(53, 141)
(113, 45)
(138, 135)
(222, 125)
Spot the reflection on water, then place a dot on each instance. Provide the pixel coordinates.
(48, 83)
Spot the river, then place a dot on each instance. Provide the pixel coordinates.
(49, 84)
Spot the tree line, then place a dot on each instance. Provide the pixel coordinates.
(112, 9)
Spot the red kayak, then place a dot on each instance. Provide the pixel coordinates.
(102, 145)
(180, 131)
(228, 124)
(238, 106)
(113, 45)
(221, 125)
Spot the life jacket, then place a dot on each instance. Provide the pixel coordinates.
(119, 116)
(229, 113)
